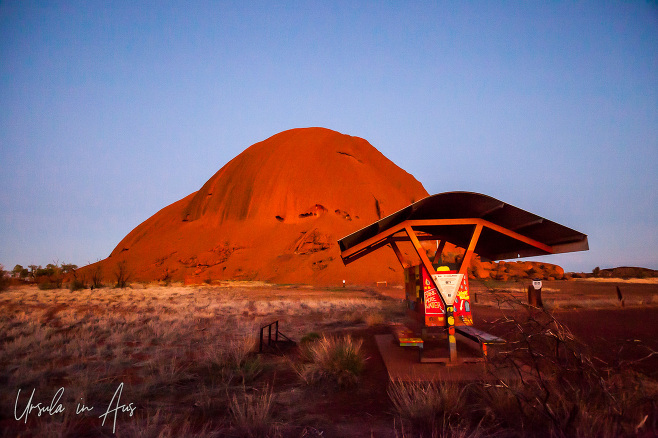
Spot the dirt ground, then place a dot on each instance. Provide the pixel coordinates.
(618, 333)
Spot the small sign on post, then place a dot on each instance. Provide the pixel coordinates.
(534, 293)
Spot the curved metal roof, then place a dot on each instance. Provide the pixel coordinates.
(508, 231)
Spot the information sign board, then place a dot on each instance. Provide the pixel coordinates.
(433, 305)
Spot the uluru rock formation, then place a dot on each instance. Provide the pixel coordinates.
(274, 213)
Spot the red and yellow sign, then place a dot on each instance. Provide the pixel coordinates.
(434, 307)
(434, 310)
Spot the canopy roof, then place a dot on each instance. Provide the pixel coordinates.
(505, 231)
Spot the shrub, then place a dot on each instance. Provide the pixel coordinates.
(77, 285)
(250, 369)
(47, 285)
(338, 360)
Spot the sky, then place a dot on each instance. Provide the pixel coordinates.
(111, 111)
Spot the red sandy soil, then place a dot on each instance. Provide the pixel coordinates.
(618, 338)
(274, 213)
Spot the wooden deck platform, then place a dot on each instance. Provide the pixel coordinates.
(402, 363)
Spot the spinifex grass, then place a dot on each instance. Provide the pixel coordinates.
(334, 359)
(185, 355)
(428, 406)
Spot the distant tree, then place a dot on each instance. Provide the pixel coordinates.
(97, 277)
(596, 271)
(33, 270)
(122, 275)
(53, 269)
(68, 268)
(4, 279)
(20, 271)
(53, 276)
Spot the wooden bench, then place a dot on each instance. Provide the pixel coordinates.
(477, 335)
(406, 338)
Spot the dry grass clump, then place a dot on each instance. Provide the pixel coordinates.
(333, 359)
(251, 413)
(375, 318)
(557, 388)
(428, 406)
(235, 359)
(554, 410)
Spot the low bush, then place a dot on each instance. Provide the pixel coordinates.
(47, 285)
(235, 359)
(77, 285)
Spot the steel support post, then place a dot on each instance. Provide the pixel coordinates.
(452, 342)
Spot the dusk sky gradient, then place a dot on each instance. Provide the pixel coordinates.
(113, 110)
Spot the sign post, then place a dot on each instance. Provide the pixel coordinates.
(534, 293)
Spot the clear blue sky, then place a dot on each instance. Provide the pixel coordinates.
(113, 110)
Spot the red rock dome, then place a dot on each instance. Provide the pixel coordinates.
(274, 213)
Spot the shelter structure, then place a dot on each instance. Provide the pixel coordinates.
(481, 225)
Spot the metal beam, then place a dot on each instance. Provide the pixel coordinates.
(527, 224)
(491, 210)
(374, 239)
(466, 261)
(450, 319)
(420, 251)
(398, 254)
(362, 248)
(365, 251)
(484, 223)
(439, 251)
